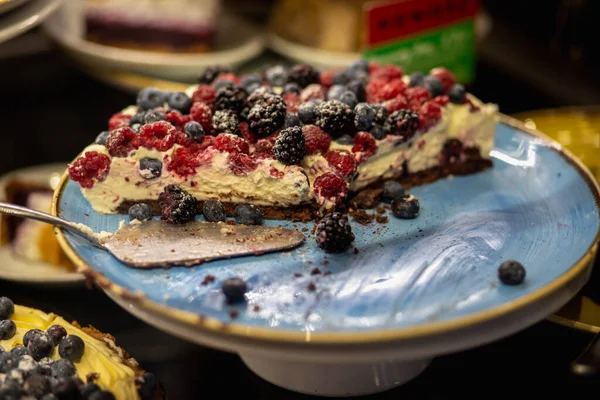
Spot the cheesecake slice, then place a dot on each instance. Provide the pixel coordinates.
(296, 142)
(65, 356)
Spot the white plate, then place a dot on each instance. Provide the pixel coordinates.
(17, 269)
(25, 17)
(237, 42)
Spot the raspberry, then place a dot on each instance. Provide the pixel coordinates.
(184, 161)
(289, 147)
(211, 72)
(303, 75)
(312, 91)
(90, 167)
(267, 116)
(430, 114)
(241, 164)
(246, 134)
(182, 139)
(342, 161)
(441, 100)
(275, 173)
(263, 149)
(177, 206)
(231, 98)
(395, 104)
(158, 135)
(227, 76)
(315, 139)
(121, 141)
(118, 120)
(201, 113)
(392, 89)
(176, 118)
(373, 89)
(204, 94)
(227, 142)
(327, 75)
(334, 233)
(403, 123)
(331, 187)
(225, 121)
(416, 96)
(445, 76)
(364, 143)
(292, 101)
(387, 73)
(334, 117)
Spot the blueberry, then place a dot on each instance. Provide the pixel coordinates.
(67, 389)
(377, 132)
(62, 368)
(153, 116)
(140, 211)
(37, 385)
(56, 333)
(349, 98)
(252, 87)
(150, 168)
(433, 85)
(149, 98)
(363, 116)
(248, 214)
(137, 118)
(71, 347)
(8, 362)
(40, 346)
(340, 78)
(102, 395)
(88, 389)
(358, 88)
(49, 396)
(223, 84)
(292, 87)
(391, 190)
(361, 65)
(457, 94)
(101, 138)
(214, 211)
(234, 289)
(20, 351)
(335, 92)
(194, 130)
(511, 272)
(306, 112)
(10, 391)
(291, 119)
(7, 329)
(2, 350)
(148, 386)
(180, 101)
(251, 80)
(416, 79)
(29, 334)
(406, 207)
(345, 139)
(7, 308)
(276, 75)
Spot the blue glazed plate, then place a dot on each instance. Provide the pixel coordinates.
(536, 205)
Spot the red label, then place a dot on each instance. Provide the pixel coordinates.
(388, 20)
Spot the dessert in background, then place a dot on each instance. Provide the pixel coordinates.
(187, 26)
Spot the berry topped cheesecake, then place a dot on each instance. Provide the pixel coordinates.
(296, 142)
(42, 356)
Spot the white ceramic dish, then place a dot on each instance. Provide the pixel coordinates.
(24, 16)
(17, 269)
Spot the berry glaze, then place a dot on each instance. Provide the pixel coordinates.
(233, 160)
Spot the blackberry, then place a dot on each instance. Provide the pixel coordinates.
(214, 211)
(225, 121)
(7, 308)
(457, 94)
(402, 123)
(452, 151)
(211, 72)
(267, 116)
(101, 138)
(334, 233)
(233, 99)
(357, 87)
(140, 211)
(248, 214)
(511, 272)
(290, 147)
(377, 132)
(349, 98)
(177, 206)
(291, 119)
(433, 85)
(334, 117)
(259, 95)
(306, 112)
(276, 75)
(234, 289)
(303, 75)
(380, 113)
(406, 206)
(363, 116)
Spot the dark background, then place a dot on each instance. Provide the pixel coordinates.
(532, 59)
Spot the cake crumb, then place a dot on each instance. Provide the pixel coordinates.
(382, 219)
(92, 376)
(311, 287)
(256, 308)
(315, 271)
(234, 314)
(314, 229)
(380, 210)
(324, 263)
(326, 273)
(305, 229)
(355, 250)
(207, 279)
(361, 216)
(297, 275)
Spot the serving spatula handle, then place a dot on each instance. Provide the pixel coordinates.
(24, 212)
(588, 363)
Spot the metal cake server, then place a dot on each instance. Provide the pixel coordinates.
(157, 243)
